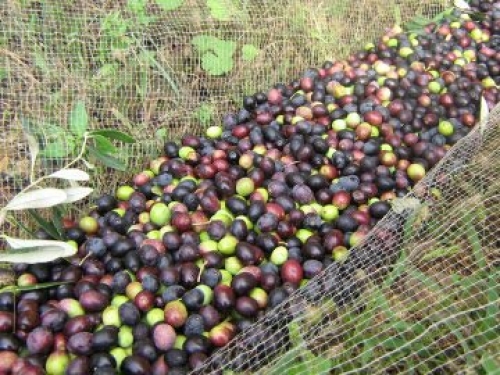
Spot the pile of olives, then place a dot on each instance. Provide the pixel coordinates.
(224, 227)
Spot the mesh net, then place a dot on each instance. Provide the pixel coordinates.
(147, 68)
(419, 295)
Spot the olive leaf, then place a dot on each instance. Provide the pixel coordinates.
(41, 198)
(104, 144)
(107, 160)
(114, 135)
(19, 289)
(73, 174)
(35, 251)
(461, 4)
(34, 150)
(47, 226)
(75, 194)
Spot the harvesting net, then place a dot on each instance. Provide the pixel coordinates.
(158, 69)
(419, 295)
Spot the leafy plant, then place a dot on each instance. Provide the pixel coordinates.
(96, 143)
(33, 197)
(61, 142)
(216, 54)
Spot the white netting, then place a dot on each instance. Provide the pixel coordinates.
(161, 69)
(418, 295)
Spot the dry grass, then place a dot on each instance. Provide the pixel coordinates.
(52, 53)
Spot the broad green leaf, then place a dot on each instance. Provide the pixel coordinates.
(104, 144)
(107, 160)
(41, 198)
(169, 4)
(75, 194)
(137, 6)
(35, 251)
(218, 58)
(46, 225)
(225, 48)
(73, 174)
(205, 43)
(114, 134)
(79, 120)
(216, 65)
(249, 52)
(222, 10)
(106, 70)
